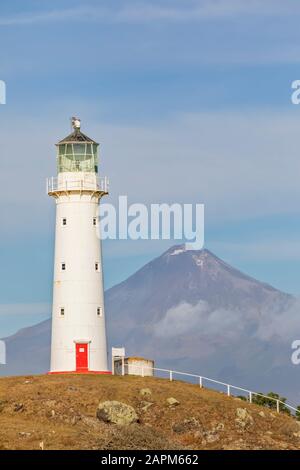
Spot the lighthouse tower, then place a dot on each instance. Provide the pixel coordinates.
(78, 318)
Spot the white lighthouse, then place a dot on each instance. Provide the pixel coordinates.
(78, 317)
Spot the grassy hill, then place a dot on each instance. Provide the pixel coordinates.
(59, 412)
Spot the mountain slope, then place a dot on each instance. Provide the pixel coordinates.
(190, 311)
(180, 276)
(28, 350)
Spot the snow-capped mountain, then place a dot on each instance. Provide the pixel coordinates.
(189, 310)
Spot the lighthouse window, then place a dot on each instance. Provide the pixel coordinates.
(69, 149)
(99, 311)
(95, 221)
(62, 311)
(97, 266)
(63, 266)
(64, 221)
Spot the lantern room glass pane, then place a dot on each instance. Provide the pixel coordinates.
(62, 149)
(69, 149)
(79, 149)
(77, 157)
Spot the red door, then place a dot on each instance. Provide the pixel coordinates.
(81, 357)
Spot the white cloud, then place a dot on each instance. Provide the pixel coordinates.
(197, 10)
(239, 164)
(180, 320)
(178, 33)
(283, 326)
(185, 319)
(273, 324)
(78, 14)
(147, 11)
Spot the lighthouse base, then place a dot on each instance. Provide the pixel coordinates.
(82, 372)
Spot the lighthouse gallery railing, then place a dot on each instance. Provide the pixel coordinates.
(85, 182)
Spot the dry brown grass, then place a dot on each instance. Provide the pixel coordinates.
(59, 411)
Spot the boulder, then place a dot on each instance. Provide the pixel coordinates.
(244, 419)
(146, 405)
(171, 401)
(116, 412)
(145, 392)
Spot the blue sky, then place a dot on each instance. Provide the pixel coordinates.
(190, 100)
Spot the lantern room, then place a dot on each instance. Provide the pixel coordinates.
(77, 152)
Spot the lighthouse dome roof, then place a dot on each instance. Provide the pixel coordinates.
(77, 137)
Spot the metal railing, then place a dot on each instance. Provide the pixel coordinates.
(229, 388)
(82, 183)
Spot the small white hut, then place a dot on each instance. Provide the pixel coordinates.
(133, 366)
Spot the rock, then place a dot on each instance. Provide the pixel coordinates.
(116, 412)
(289, 429)
(50, 403)
(18, 407)
(146, 405)
(75, 419)
(187, 425)
(219, 427)
(211, 437)
(242, 413)
(262, 414)
(145, 392)
(244, 419)
(296, 434)
(178, 428)
(171, 401)
(24, 434)
(191, 423)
